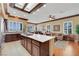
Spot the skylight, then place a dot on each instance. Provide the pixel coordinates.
(30, 6)
(20, 5)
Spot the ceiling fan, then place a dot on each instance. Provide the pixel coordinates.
(51, 17)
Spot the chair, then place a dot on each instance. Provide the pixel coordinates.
(71, 37)
(48, 33)
(59, 36)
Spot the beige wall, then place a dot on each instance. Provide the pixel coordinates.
(75, 21)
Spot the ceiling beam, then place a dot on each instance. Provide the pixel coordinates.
(6, 14)
(25, 5)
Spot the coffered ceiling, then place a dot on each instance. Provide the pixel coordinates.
(42, 14)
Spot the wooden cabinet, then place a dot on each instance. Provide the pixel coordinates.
(23, 41)
(36, 42)
(44, 50)
(11, 37)
(29, 45)
(26, 42)
(35, 48)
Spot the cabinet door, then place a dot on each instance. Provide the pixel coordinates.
(22, 41)
(29, 45)
(35, 50)
(25, 42)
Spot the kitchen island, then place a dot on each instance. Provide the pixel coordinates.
(36, 44)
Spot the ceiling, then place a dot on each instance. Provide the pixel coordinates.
(42, 14)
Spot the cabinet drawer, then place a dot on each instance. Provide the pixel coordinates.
(36, 42)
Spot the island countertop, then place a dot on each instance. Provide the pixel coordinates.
(38, 37)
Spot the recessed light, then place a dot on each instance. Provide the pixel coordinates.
(33, 12)
(38, 10)
(14, 12)
(24, 15)
(50, 18)
(44, 5)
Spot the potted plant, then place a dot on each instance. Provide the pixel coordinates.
(77, 31)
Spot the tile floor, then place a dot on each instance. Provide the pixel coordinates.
(13, 49)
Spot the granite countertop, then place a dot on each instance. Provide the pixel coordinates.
(11, 33)
(38, 37)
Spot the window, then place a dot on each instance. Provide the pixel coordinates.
(15, 26)
(30, 29)
(43, 28)
(48, 28)
(68, 27)
(20, 26)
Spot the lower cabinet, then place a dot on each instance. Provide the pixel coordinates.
(23, 41)
(29, 45)
(35, 48)
(25, 45)
(11, 37)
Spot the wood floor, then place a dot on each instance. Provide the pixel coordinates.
(71, 49)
